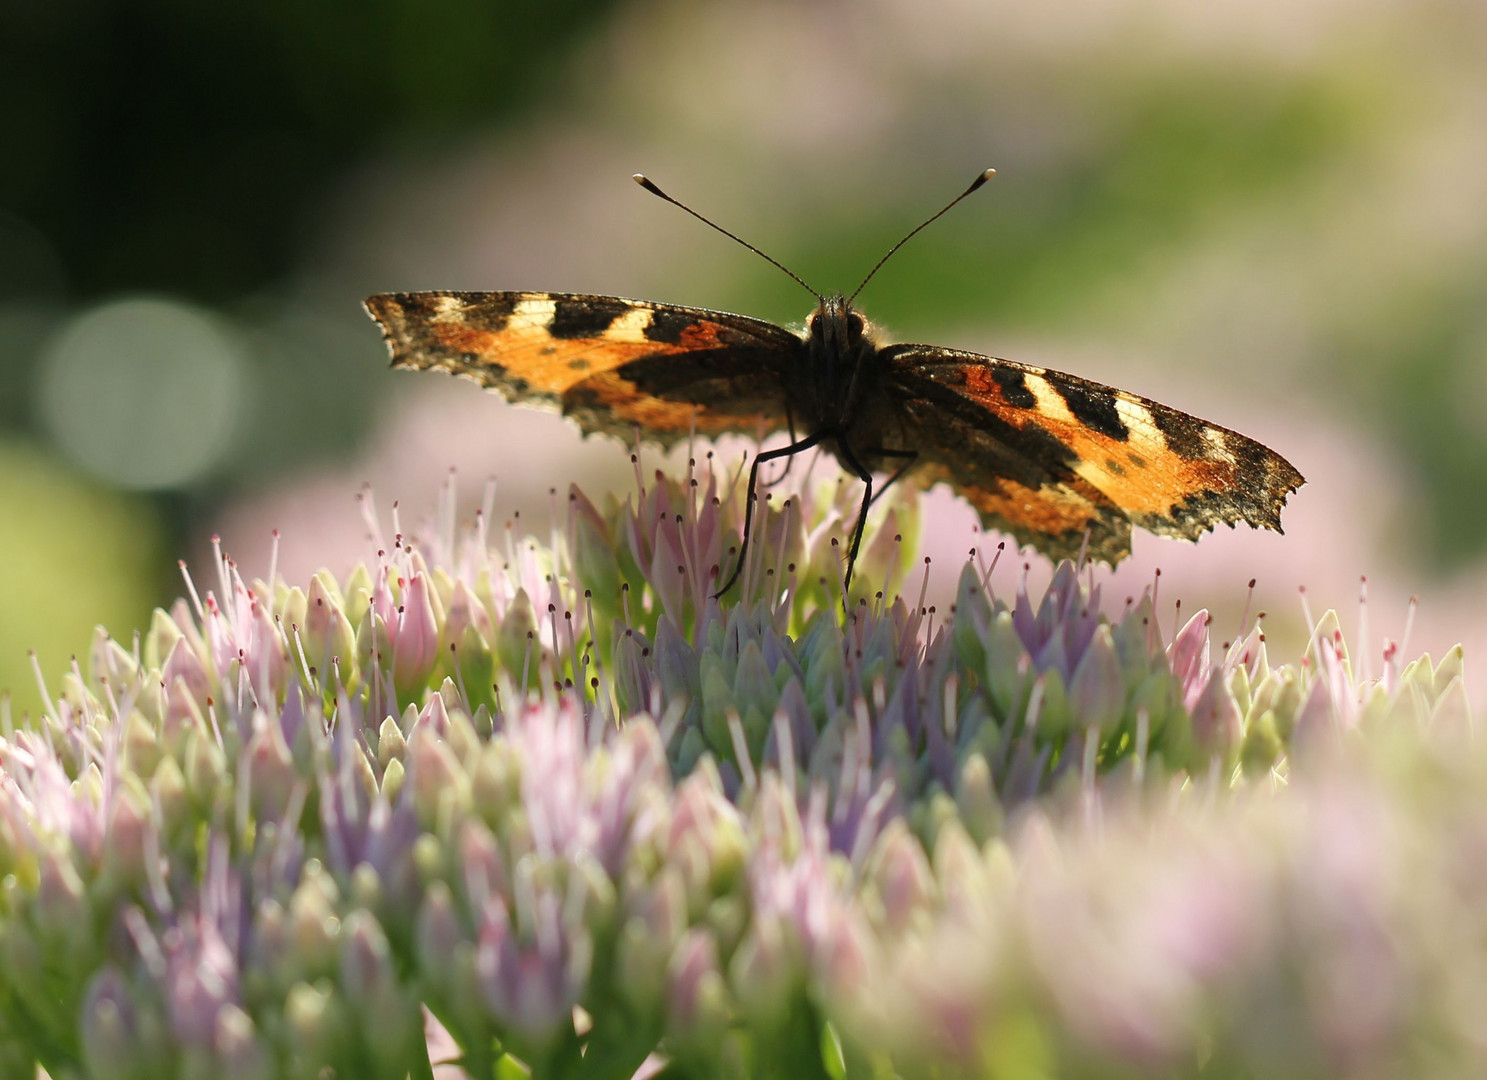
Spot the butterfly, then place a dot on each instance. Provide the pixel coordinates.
(1060, 463)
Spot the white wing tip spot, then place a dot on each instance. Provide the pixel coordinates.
(1218, 445)
(533, 311)
(630, 326)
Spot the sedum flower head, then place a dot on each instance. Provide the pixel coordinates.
(563, 807)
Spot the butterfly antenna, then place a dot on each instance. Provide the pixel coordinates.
(645, 182)
(985, 176)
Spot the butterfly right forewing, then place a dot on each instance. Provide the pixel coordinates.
(1049, 455)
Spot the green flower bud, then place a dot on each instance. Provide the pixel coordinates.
(241, 1053)
(699, 1007)
(159, 639)
(124, 836)
(594, 560)
(440, 785)
(271, 775)
(976, 799)
(389, 1021)
(140, 747)
(314, 924)
(316, 1027)
(391, 745)
(1009, 670)
(1262, 748)
(327, 632)
(517, 641)
(648, 936)
(973, 617)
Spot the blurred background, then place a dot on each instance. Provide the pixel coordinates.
(1267, 212)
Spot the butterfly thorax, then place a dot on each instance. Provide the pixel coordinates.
(839, 349)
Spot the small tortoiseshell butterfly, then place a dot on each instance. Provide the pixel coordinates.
(1061, 463)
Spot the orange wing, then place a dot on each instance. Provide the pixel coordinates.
(608, 362)
(1048, 455)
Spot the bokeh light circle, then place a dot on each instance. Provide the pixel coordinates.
(143, 393)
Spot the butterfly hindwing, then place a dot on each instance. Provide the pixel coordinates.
(1048, 455)
(609, 362)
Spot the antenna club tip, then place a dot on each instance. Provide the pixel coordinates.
(985, 176)
(645, 182)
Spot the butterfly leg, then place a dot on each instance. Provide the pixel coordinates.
(866, 476)
(790, 459)
(907, 456)
(769, 455)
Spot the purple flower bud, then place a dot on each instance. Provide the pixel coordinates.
(803, 921)
(677, 667)
(795, 712)
(1188, 656)
(202, 978)
(531, 976)
(184, 666)
(901, 877)
(415, 636)
(1217, 728)
(243, 636)
(1097, 694)
(698, 1005)
(483, 870)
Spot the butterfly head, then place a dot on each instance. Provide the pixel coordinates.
(835, 327)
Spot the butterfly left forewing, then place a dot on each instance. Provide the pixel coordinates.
(609, 362)
(1103, 452)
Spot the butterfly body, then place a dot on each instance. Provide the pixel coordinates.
(1057, 461)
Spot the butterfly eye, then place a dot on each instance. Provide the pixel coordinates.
(854, 325)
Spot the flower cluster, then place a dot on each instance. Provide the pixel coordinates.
(563, 803)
